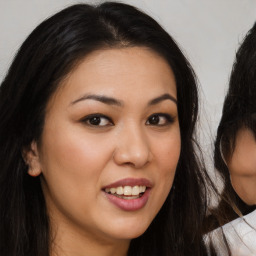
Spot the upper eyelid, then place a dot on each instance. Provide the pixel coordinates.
(170, 118)
(97, 115)
(86, 118)
(166, 115)
(162, 114)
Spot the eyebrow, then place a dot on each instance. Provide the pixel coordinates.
(165, 96)
(104, 99)
(112, 101)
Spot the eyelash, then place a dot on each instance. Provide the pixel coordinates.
(168, 119)
(97, 118)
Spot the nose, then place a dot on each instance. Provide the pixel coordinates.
(132, 147)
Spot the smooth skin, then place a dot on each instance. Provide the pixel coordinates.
(242, 166)
(114, 117)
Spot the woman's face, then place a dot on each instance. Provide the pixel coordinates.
(242, 166)
(110, 144)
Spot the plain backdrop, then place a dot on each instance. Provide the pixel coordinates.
(208, 31)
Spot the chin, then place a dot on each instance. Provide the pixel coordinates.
(130, 230)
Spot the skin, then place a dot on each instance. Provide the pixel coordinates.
(242, 166)
(77, 159)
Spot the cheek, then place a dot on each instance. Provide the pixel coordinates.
(167, 155)
(72, 165)
(243, 159)
(74, 158)
(243, 162)
(168, 151)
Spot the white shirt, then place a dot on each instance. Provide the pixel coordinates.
(240, 235)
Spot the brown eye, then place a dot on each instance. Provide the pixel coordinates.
(94, 120)
(154, 120)
(97, 120)
(159, 120)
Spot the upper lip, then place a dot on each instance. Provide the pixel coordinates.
(130, 182)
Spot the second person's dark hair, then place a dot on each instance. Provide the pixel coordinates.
(239, 110)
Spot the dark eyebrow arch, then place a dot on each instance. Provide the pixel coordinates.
(104, 99)
(165, 96)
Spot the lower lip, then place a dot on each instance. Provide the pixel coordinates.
(129, 204)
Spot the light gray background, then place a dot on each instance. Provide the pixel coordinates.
(208, 31)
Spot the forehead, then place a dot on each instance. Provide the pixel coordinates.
(135, 72)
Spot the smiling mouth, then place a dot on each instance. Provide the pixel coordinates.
(127, 192)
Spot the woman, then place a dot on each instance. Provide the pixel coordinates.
(235, 151)
(97, 157)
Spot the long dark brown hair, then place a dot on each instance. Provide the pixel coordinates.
(50, 52)
(239, 111)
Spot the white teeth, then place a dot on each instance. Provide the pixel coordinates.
(135, 190)
(127, 190)
(113, 190)
(142, 189)
(119, 190)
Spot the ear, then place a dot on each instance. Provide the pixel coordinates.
(31, 157)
